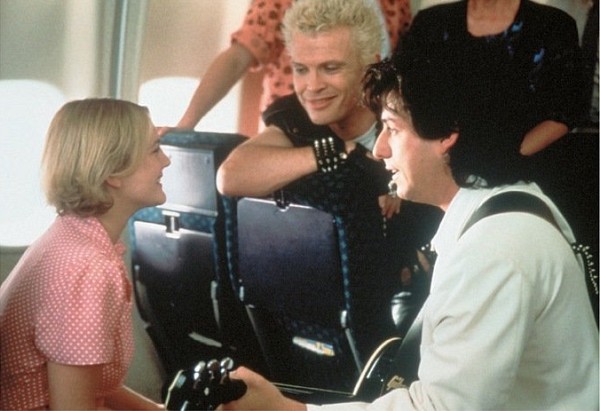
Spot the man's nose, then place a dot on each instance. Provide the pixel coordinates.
(381, 149)
(314, 80)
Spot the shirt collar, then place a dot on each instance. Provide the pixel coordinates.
(463, 205)
(367, 140)
(95, 231)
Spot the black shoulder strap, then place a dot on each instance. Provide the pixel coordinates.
(407, 358)
(509, 202)
(529, 203)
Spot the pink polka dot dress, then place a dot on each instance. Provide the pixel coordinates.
(67, 301)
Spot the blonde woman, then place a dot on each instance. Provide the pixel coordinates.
(65, 310)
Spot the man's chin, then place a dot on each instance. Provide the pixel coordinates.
(322, 115)
(319, 118)
(403, 194)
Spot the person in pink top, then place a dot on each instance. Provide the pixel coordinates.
(65, 309)
(258, 45)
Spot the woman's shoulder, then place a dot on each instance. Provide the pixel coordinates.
(544, 9)
(439, 19)
(446, 10)
(75, 240)
(550, 25)
(544, 14)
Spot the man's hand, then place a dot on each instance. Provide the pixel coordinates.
(350, 146)
(261, 395)
(162, 130)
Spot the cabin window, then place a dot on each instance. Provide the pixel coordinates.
(26, 109)
(167, 99)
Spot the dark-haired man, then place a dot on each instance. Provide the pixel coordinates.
(508, 323)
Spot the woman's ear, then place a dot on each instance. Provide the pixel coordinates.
(114, 182)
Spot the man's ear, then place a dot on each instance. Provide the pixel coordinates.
(448, 142)
(114, 182)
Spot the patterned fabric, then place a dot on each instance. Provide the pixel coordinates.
(226, 249)
(68, 301)
(260, 33)
(191, 221)
(530, 72)
(235, 325)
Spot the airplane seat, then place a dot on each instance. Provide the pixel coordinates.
(230, 312)
(173, 257)
(289, 267)
(317, 284)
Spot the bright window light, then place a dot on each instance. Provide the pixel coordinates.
(26, 109)
(167, 99)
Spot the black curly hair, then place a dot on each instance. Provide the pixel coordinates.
(426, 85)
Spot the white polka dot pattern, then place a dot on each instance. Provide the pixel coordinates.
(69, 301)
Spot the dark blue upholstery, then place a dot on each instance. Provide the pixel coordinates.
(177, 261)
(289, 266)
(233, 320)
(172, 277)
(312, 277)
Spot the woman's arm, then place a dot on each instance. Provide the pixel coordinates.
(74, 387)
(221, 76)
(541, 136)
(127, 399)
(558, 97)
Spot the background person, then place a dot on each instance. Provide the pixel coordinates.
(65, 309)
(527, 52)
(329, 55)
(258, 46)
(521, 60)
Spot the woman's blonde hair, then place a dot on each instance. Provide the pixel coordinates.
(313, 16)
(87, 142)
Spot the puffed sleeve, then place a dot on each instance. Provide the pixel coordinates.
(260, 32)
(397, 17)
(557, 87)
(83, 314)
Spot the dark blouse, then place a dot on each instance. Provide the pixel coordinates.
(530, 72)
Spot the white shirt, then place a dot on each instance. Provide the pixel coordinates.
(368, 138)
(508, 323)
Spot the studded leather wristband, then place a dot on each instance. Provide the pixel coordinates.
(328, 154)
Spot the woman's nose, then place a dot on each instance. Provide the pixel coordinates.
(166, 159)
